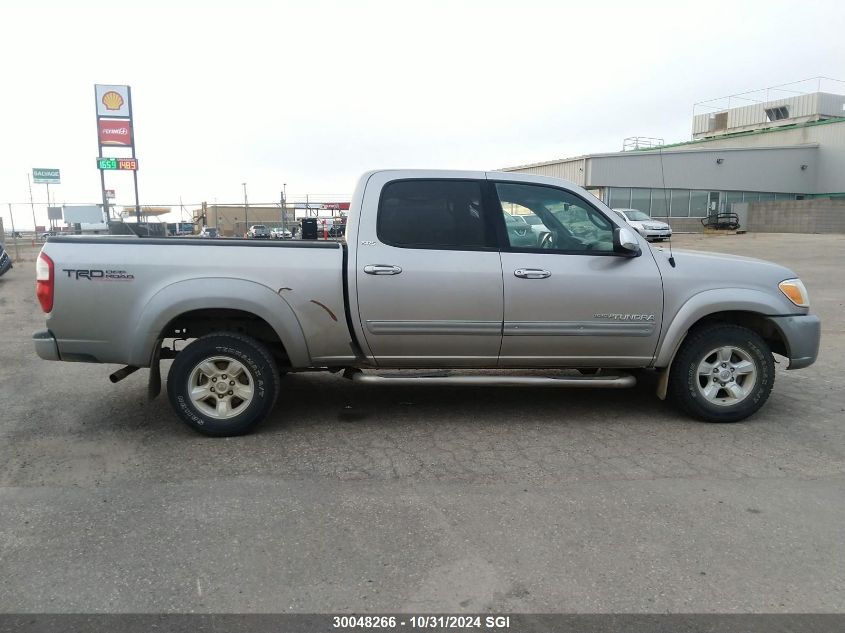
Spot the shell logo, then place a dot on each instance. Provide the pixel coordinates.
(112, 100)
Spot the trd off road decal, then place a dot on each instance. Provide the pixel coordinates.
(95, 274)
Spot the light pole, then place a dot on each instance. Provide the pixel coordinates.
(284, 206)
(246, 208)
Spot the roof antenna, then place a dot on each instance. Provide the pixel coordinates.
(666, 202)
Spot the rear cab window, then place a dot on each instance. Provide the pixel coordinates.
(434, 214)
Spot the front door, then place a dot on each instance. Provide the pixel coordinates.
(569, 299)
(428, 273)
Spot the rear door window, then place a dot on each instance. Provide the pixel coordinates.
(435, 214)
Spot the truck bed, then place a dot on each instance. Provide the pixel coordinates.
(140, 284)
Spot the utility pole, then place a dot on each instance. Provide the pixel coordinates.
(246, 208)
(32, 204)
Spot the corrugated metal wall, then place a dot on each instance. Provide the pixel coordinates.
(830, 164)
(776, 170)
(572, 170)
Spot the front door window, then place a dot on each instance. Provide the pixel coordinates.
(557, 220)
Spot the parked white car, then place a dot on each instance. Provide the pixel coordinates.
(646, 226)
(278, 233)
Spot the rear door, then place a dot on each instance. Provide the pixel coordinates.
(428, 273)
(569, 299)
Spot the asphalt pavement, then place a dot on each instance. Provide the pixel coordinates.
(375, 499)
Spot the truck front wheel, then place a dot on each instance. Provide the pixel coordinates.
(722, 373)
(223, 384)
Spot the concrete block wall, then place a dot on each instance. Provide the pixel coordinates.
(797, 216)
(779, 216)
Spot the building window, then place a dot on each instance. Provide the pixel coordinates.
(679, 205)
(698, 204)
(641, 200)
(777, 114)
(731, 198)
(619, 197)
(659, 203)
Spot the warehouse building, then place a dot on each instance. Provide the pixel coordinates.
(235, 219)
(783, 158)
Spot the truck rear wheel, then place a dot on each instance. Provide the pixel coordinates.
(223, 384)
(722, 373)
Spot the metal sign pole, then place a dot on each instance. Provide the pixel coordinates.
(48, 207)
(100, 155)
(14, 234)
(134, 171)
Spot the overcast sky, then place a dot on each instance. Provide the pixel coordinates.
(313, 93)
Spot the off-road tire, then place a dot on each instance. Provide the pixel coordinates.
(257, 361)
(683, 377)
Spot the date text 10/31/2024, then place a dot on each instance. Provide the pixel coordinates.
(385, 622)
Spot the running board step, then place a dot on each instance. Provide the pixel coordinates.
(605, 381)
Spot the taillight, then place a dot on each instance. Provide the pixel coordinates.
(44, 279)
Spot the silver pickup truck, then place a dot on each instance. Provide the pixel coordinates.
(446, 270)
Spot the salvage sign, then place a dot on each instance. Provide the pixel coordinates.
(46, 176)
(114, 132)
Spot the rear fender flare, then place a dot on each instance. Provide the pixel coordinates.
(225, 293)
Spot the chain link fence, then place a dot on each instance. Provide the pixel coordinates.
(28, 224)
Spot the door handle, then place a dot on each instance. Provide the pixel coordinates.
(531, 273)
(382, 269)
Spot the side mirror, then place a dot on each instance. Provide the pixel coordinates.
(625, 242)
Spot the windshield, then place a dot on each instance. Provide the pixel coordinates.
(532, 220)
(259, 227)
(635, 215)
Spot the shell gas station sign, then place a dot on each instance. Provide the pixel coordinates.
(113, 101)
(114, 130)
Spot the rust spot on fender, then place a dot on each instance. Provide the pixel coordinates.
(331, 314)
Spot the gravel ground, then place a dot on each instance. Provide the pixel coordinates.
(364, 498)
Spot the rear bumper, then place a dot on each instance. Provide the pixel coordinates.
(45, 345)
(802, 334)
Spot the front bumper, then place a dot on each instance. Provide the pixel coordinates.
(45, 345)
(802, 334)
(651, 234)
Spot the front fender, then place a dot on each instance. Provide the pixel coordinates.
(222, 293)
(710, 302)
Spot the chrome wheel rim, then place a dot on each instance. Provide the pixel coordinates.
(726, 376)
(221, 387)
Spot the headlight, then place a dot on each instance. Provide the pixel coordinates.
(795, 292)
